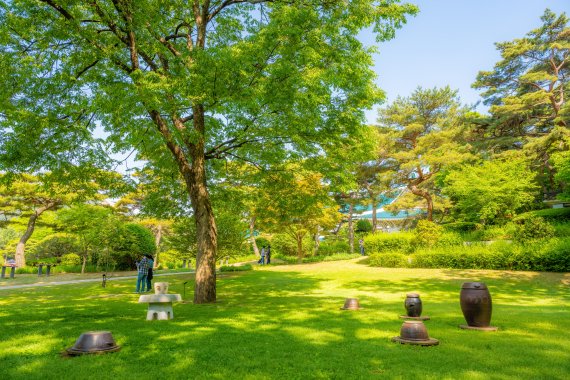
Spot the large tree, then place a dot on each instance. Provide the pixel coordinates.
(528, 92)
(184, 83)
(422, 134)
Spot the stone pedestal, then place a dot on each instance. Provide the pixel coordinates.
(159, 305)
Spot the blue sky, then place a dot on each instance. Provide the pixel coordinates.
(450, 41)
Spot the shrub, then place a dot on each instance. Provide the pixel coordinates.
(363, 225)
(389, 242)
(136, 241)
(562, 229)
(332, 247)
(533, 228)
(236, 268)
(55, 245)
(462, 226)
(389, 260)
(340, 256)
(548, 214)
(427, 233)
(449, 239)
(70, 259)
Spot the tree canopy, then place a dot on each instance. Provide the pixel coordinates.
(185, 84)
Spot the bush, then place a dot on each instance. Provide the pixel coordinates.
(389, 260)
(561, 229)
(389, 242)
(236, 268)
(70, 259)
(540, 255)
(449, 239)
(332, 247)
(533, 228)
(548, 214)
(462, 226)
(363, 225)
(55, 245)
(136, 241)
(427, 233)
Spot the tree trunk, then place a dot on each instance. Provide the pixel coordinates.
(317, 241)
(207, 234)
(21, 247)
(424, 194)
(252, 236)
(350, 228)
(299, 239)
(157, 240)
(374, 217)
(84, 264)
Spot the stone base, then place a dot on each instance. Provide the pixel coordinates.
(160, 311)
(415, 318)
(488, 328)
(427, 342)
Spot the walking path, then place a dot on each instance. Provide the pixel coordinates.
(87, 280)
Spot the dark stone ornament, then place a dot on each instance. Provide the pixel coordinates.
(415, 332)
(93, 342)
(413, 305)
(476, 306)
(351, 304)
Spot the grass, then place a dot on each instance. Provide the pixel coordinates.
(285, 322)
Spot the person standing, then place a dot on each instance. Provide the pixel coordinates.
(268, 254)
(361, 245)
(262, 258)
(142, 268)
(149, 274)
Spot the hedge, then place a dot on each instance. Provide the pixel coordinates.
(544, 255)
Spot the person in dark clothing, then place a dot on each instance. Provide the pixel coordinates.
(149, 274)
(268, 254)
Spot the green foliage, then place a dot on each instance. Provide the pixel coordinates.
(552, 215)
(539, 255)
(389, 260)
(363, 225)
(285, 245)
(389, 242)
(533, 228)
(236, 268)
(462, 226)
(319, 258)
(427, 233)
(330, 247)
(70, 259)
(421, 136)
(135, 241)
(55, 245)
(448, 239)
(262, 242)
(491, 192)
(527, 95)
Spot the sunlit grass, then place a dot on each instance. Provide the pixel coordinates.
(285, 322)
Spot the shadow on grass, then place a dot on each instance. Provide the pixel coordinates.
(283, 325)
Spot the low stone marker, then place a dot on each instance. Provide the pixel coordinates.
(160, 303)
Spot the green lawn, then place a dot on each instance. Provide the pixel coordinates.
(285, 322)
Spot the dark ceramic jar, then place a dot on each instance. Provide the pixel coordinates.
(476, 304)
(413, 305)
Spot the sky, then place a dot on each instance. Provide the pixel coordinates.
(450, 41)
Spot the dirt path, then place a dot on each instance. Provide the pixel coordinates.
(81, 281)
